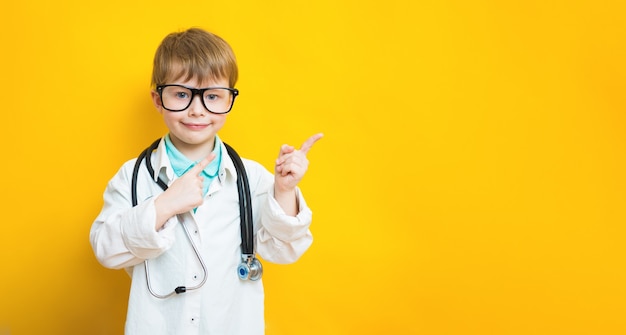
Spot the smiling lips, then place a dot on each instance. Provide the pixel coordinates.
(195, 126)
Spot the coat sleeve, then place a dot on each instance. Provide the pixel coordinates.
(280, 238)
(122, 235)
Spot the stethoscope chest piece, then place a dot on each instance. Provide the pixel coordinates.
(250, 268)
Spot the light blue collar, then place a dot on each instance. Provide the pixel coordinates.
(181, 164)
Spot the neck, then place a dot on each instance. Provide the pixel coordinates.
(194, 152)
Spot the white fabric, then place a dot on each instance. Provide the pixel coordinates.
(123, 237)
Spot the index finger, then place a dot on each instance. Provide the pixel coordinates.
(308, 144)
(197, 169)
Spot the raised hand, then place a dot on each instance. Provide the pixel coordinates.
(292, 164)
(183, 195)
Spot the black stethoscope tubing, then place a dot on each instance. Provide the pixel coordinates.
(245, 212)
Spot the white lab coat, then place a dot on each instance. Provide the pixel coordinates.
(123, 237)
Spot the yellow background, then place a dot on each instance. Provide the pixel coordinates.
(471, 179)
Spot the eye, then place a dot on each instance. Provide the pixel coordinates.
(182, 95)
(215, 94)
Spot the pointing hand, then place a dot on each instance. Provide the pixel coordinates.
(292, 164)
(184, 194)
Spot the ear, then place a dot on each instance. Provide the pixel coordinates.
(156, 100)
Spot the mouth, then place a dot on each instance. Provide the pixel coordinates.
(195, 126)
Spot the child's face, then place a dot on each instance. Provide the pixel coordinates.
(195, 127)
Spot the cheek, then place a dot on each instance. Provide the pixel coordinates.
(172, 122)
(169, 117)
(219, 119)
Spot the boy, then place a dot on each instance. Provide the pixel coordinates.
(190, 233)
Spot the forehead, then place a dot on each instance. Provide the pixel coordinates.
(178, 74)
(196, 83)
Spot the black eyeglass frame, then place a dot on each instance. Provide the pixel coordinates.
(200, 92)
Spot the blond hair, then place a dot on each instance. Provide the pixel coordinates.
(194, 54)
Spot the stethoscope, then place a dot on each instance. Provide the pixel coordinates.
(250, 267)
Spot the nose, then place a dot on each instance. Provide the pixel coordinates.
(196, 108)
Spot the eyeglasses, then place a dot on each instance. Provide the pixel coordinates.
(177, 98)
